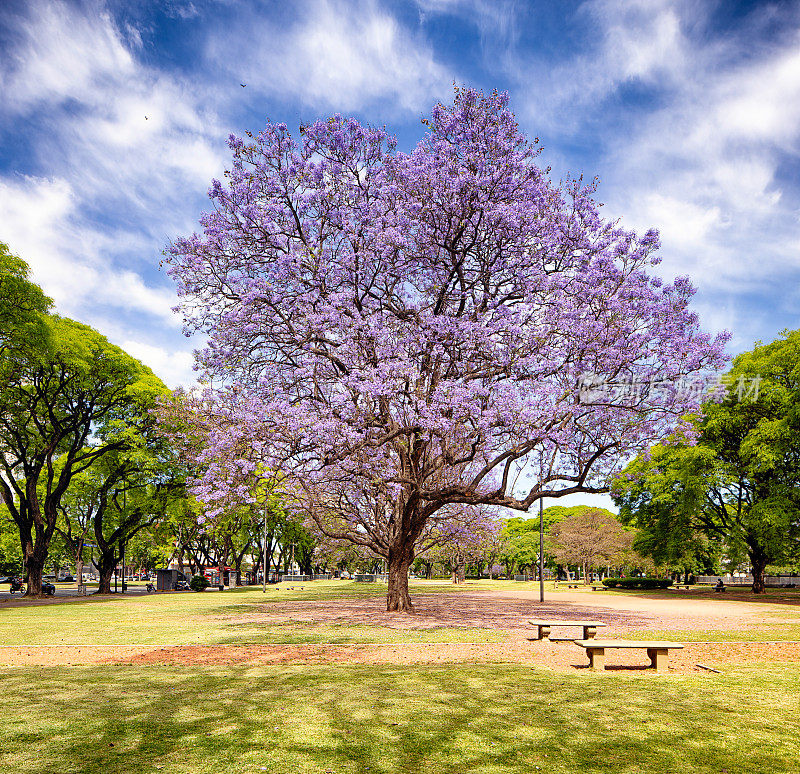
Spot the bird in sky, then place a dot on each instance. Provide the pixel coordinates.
(243, 85)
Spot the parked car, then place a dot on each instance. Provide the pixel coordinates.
(48, 588)
(66, 579)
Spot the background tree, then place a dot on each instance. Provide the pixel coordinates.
(414, 327)
(521, 539)
(739, 484)
(10, 551)
(64, 401)
(152, 547)
(590, 537)
(467, 538)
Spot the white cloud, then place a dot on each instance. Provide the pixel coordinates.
(337, 55)
(173, 367)
(126, 152)
(65, 55)
(40, 224)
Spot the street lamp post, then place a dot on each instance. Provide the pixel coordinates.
(264, 560)
(541, 550)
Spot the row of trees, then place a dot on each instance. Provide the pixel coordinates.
(85, 462)
(80, 450)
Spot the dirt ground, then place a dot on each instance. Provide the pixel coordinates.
(506, 612)
(560, 656)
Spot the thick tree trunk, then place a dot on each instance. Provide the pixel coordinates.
(106, 569)
(759, 563)
(586, 574)
(29, 561)
(34, 556)
(34, 569)
(397, 596)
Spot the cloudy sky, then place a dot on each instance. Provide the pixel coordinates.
(114, 115)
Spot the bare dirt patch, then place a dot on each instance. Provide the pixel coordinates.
(508, 612)
(556, 656)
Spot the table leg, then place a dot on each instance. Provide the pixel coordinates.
(544, 632)
(659, 659)
(589, 632)
(597, 659)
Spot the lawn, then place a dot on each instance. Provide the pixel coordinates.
(336, 720)
(210, 618)
(316, 718)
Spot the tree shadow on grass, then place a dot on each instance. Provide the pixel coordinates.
(368, 720)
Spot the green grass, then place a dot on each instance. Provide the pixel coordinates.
(302, 632)
(211, 618)
(376, 720)
(760, 633)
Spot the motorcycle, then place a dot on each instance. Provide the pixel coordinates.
(16, 585)
(150, 588)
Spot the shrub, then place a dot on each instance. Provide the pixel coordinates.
(637, 583)
(199, 583)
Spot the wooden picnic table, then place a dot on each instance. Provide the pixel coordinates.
(657, 650)
(544, 627)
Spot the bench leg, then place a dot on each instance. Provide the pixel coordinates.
(659, 659)
(597, 659)
(544, 632)
(589, 632)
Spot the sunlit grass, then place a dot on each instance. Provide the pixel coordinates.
(211, 618)
(422, 720)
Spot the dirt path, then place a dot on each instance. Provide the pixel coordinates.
(554, 656)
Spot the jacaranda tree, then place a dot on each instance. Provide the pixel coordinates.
(402, 332)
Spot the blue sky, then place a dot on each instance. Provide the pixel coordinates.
(688, 112)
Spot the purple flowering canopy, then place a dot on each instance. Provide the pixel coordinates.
(401, 334)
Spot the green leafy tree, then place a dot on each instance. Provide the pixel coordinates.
(10, 551)
(520, 539)
(23, 308)
(65, 399)
(739, 486)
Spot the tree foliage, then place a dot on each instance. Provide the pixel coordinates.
(406, 332)
(591, 538)
(739, 486)
(64, 403)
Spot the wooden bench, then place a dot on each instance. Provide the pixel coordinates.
(544, 627)
(681, 586)
(657, 650)
(568, 584)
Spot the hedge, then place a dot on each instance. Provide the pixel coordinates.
(637, 583)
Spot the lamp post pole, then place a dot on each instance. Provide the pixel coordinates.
(541, 551)
(264, 560)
